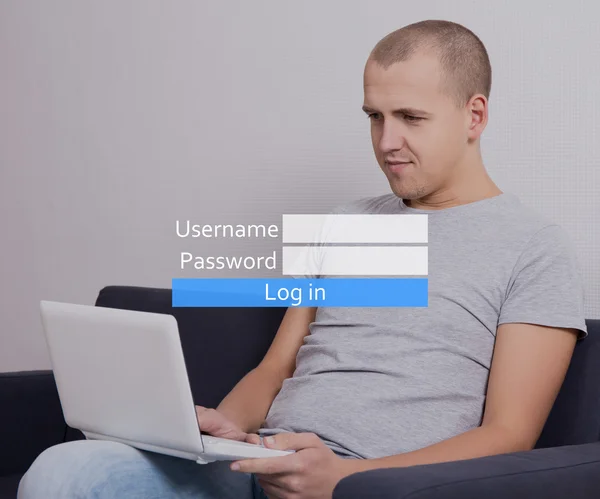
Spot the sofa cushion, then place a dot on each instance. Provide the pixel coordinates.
(575, 416)
(31, 418)
(9, 485)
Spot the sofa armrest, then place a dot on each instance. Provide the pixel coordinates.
(553, 473)
(31, 418)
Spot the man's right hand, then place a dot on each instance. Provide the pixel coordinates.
(216, 424)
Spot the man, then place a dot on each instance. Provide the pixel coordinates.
(351, 389)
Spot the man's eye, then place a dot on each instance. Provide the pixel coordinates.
(407, 117)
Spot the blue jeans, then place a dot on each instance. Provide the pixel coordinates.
(108, 470)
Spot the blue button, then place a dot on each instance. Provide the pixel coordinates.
(302, 292)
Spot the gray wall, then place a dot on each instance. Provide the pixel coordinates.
(118, 118)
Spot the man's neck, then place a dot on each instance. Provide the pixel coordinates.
(449, 198)
(470, 183)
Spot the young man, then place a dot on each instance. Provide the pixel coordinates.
(351, 389)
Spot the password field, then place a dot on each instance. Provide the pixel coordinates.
(355, 260)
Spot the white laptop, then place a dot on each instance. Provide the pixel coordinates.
(121, 376)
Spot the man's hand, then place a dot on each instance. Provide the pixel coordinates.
(216, 424)
(312, 472)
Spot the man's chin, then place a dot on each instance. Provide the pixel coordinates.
(402, 192)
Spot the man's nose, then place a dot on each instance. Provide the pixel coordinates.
(392, 138)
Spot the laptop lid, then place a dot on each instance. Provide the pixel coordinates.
(121, 376)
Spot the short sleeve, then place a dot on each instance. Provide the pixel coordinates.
(546, 287)
(309, 258)
(306, 263)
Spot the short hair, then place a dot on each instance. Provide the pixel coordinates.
(464, 61)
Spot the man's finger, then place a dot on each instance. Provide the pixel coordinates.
(253, 438)
(292, 441)
(266, 465)
(289, 483)
(271, 487)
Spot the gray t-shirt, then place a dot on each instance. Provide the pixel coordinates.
(373, 382)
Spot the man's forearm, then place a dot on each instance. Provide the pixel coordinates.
(249, 401)
(479, 442)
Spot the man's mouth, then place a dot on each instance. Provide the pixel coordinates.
(397, 166)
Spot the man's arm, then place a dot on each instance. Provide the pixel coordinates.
(528, 368)
(527, 371)
(249, 401)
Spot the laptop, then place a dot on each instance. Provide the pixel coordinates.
(121, 376)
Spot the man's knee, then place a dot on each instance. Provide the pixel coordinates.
(102, 469)
(72, 469)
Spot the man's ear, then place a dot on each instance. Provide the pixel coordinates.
(476, 116)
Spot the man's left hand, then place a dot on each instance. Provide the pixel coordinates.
(312, 472)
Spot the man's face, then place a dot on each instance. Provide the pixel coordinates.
(411, 121)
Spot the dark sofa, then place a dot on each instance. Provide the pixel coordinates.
(565, 464)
